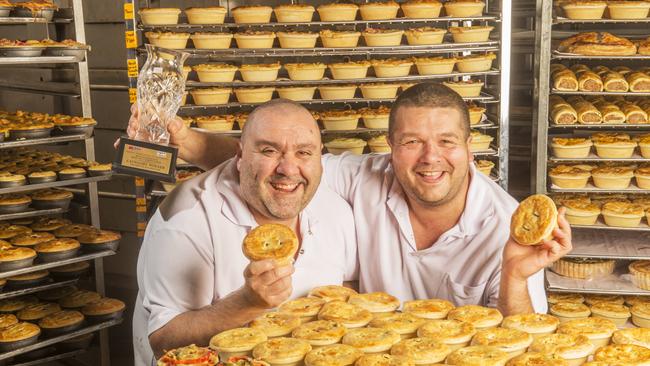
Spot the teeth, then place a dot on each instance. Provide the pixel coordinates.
(285, 187)
(431, 174)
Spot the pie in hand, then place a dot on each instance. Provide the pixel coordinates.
(534, 220)
(271, 241)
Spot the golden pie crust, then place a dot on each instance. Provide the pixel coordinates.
(351, 316)
(534, 220)
(371, 340)
(38, 311)
(480, 317)
(332, 292)
(271, 241)
(333, 355)
(507, 340)
(282, 350)
(384, 359)
(429, 309)
(401, 323)
(237, 340)
(303, 307)
(7, 320)
(583, 268)
(556, 297)
(422, 350)
(61, 319)
(375, 302)
(638, 336)
(478, 356)
(451, 332)
(570, 310)
(15, 254)
(532, 323)
(275, 324)
(57, 245)
(103, 306)
(18, 332)
(79, 299)
(31, 239)
(30, 276)
(49, 224)
(623, 353)
(640, 271)
(615, 312)
(320, 332)
(593, 328)
(567, 346)
(12, 231)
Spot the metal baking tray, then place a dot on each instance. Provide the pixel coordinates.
(15, 183)
(51, 204)
(16, 134)
(10, 209)
(28, 283)
(563, 20)
(572, 56)
(629, 93)
(71, 176)
(625, 244)
(615, 284)
(31, 290)
(41, 141)
(77, 53)
(636, 157)
(590, 188)
(4, 273)
(58, 256)
(602, 126)
(17, 264)
(99, 173)
(53, 332)
(109, 245)
(11, 346)
(21, 51)
(30, 213)
(86, 130)
(47, 14)
(58, 183)
(40, 180)
(95, 319)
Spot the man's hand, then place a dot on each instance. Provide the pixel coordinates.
(523, 261)
(178, 132)
(267, 285)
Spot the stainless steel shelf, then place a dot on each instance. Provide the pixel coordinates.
(602, 126)
(31, 290)
(42, 266)
(562, 20)
(594, 158)
(185, 26)
(32, 213)
(600, 225)
(55, 357)
(43, 141)
(630, 94)
(58, 183)
(286, 82)
(592, 189)
(567, 56)
(488, 152)
(20, 20)
(321, 51)
(616, 284)
(608, 242)
(38, 60)
(55, 340)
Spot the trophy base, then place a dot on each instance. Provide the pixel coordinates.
(146, 159)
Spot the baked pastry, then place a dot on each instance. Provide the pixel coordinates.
(339, 39)
(56, 293)
(282, 350)
(16, 304)
(61, 321)
(35, 312)
(294, 13)
(159, 16)
(624, 354)
(590, 82)
(320, 332)
(171, 40)
(378, 303)
(49, 224)
(480, 317)
(99, 240)
(276, 324)
(610, 177)
(587, 112)
(379, 10)
(453, 333)
(434, 65)
(298, 93)
(392, 67)
(72, 230)
(331, 293)
(351, 316)
(640, 271)
(340, 145)
(478, 355)
(633, 300)
(376, 37)
(423, 351)
(428, 309)
(336, 354)
(337, 12)
(404, 324)
(464, 8)
(254, 39)
(533, 324)
(535, 358)
(573, 348)
(615, 82)
(581, 212)
(598, 330)
(466, 89)
(18, 335)
(561, 111)
(639, 82)
(237, 342)
(259, 72)
(512, 341)
(638, 336)
(371, 340)
(384, 359)
(254, 95)
(566, 311)
(584, 9)
(252, 14)
(534, 220)
(425, 36)
(644, 47)
(633, 113)
(14, 258)
(622, 214)
(628, 9)
(471, 34)
(31, 239)
(337, 92)
(614, 148)
(206, 15)
(211, 123)
(103, 309)
(480, 141)
(271, 241)
(11, 231)
(301, 71)
(375, 117)
(79, 299)
(211, 40)
(379, 144)
(617, 313)
(57, 249)
(7, 320)
(190, 355)
(294, 39)
(598, 44)
(29, 279)
(641, 315)
(591, 299)
(342, 120)
(421, 9)
(349, 70)
(571, 148)
(565, 80)
(583, 268)
(611, 113)
(484, 166)
(305, 308)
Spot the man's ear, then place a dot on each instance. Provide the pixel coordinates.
(469, 149)
(238, 155)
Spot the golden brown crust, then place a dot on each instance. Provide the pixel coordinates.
(270, 241)
(31, 239)
(15, 254)
(18, 332)
(37, 311)
(534, 220)
(58, 245)
(61, 319)
(98, 237)
(103, 306)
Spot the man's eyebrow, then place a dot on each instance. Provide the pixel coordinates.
(307, 145)
(449, 134)
(259, 143)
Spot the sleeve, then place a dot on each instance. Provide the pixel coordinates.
(351, 252)
(342, 172)
(176, 274)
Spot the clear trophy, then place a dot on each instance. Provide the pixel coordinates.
(161, 87)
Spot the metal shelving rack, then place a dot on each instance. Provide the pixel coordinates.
(90, 186)
(600, 240)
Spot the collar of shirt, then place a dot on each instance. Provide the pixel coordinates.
(477, 211)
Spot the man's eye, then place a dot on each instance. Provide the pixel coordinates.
(268, 151)
(304, 153)
(409, 142)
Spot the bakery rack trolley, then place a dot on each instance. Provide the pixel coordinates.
(590, 241)
(82, 91)
(495, 95)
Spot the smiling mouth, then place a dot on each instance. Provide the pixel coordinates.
(285, 187)
(431, 176)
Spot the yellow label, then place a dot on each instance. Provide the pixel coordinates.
(132, 68)
(141, 201)
(133, 95)
(146, 159)
(131, 39)
(142, 225)
(139, 181)
(140, 233)
(128, 11)
(141, 209)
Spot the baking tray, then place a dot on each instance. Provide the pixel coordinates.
(110, 245)
(72, 176)
(10, 209)
(95, 319)
(86, 130)
(618, 283)
(99, 173)
(10, 346)
(47, 14)
(30, 134)
(51, 204)
(17, 264)
(77, 53)
(28, 283)
(21, 51)
(53, 332)
(39, 180)
(58, 256)
(15, 183)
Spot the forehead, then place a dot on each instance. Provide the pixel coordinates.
(438, 119)
(284, 124)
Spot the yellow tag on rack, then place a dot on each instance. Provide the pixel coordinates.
(133, 95)
(128, 11)
(141, 201)
(131, 39)
(132, 68)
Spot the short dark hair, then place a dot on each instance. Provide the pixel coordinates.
(431, 95)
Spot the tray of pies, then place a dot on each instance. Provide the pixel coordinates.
(615, 146)
(596, 10)
(581, 79)
(605, 177)
(613, 211)
(594, 110)
(598, 44)
(592, 275)
(22, 125)
(35, 9)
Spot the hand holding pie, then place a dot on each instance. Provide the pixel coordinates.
(271, 241)
(534, 220)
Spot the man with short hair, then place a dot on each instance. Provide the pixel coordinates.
(428, 224)
(193, 278)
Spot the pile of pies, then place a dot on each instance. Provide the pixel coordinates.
(599, 9)
(304, 13)
(604, 145)
(71, 43)
(23, 123)
(602, 44)
(590, 110)
(616, 210)
(580, 77)
(603, 176)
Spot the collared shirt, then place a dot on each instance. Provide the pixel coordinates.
(463, 265)
(191, 255)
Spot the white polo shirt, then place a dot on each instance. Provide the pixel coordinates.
(463, 265)
(191, 255)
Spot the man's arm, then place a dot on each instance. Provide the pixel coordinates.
(267, 286)
(521, 262)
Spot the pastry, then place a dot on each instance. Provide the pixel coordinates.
(294, 13)
(619, 314)
(512, 341)
(237, 342)
(479, 142)
(383, 359)
(471, 34)
(61, 321)
(453, 333)
(375, 118)
(628, 9)
(590, 82)
(212, 123)
(31, 239)
(633, 300)
(641, 315)
(351, 316)
(56, 293)
(302, 72)
(379, 10)
(189, 355)
(340, 145)
(644, 47)
(615, 82)
(99, 240)
(614, 148)
(215, 72)
(305, 308)
(13, 231)
(597, 44)
(378, 303)
(376, 37)
(428, 309)
(611, 113)
(7, 320)
(276, 324)
(349, 70)
(535, 358)
(466, 89)
(332, 292)
(622, 214)
(259, 72)
(624, 354)
(379, 91)
(337, 12)
(566, 311)
(423, 351)
(282, 351)
(639, 82)
(337, 92)
(591, 299)
(271, 241)
(252, 14)
(211, 96)
(320, 332)
(476, 114)
(484, 166)
(371, 340)
(254, 39)
(633, 113)
(333, 355)
(15, 258)
(421, 9)
(475, 63)
(425, 36)
(638, 336)
(28, 279)
(598, 330)
(103, 309)
(341, 120)
(404, 324)
(212, 40)
(254, 95)
(57, 249)
(464, 8)
(16, 304)
(159, 16)
(612, 177)
(583, 268)
(168, 39)
(480, 317)
(293, 39)
(434, 65)
(339, 39)
(573, 348)
(587, 112)
(12, 180)
(297, 93)
(79, 299)
(10, 203)
(18, 335)
(534, 220)
(571, 148)
(206, 15)
(533, 324)
(640, 271)
(96, 169)
(478, 355)
(561, 112)
(392, 67)
(72, 230)
(580, 212)
(35, 312)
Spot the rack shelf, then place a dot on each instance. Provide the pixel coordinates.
(562, 20)
(616, 284)
(595, 159)
(592, 189)
(604, 93)
(32, 213)
(43, 141)
(48, 265)
(38, 60)
(602, 126)
(58, 183)
(567, 56)
(608, 242)
(51, 358)
(31, 290)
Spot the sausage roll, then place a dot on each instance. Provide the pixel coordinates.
(611, 112)
(565, 80)
(633, 113)
(639, 82)
(590, 82)
(587, 113)
(615, 82)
